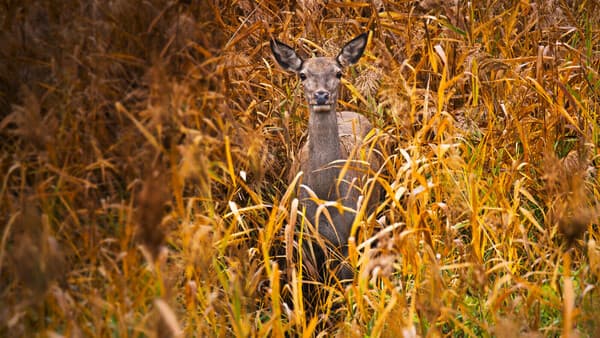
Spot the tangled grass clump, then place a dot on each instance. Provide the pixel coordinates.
(146, 149)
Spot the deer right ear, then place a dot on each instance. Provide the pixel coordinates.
(286, 56)
(353, 50)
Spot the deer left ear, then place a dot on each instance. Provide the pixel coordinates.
(353, 50)
(286, 56)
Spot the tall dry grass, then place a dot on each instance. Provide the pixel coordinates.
(146, 147)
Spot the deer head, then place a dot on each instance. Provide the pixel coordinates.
(320, 75)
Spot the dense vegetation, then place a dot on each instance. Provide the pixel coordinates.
(146, 149)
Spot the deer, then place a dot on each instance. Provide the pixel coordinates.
(324, 158)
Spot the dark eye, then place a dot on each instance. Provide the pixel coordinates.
(338, 75)
(302, 76)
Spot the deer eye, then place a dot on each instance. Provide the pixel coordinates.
(302, 76)
(338, 75)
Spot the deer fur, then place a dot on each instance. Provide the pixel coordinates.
(332, 137)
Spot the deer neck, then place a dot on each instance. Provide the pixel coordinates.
(323, 149)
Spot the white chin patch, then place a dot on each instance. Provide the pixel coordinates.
(321, 107)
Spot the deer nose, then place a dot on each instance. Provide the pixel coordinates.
(321, 97)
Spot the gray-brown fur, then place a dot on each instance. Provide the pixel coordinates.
(332, 136)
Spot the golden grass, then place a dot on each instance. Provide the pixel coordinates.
(146, 147)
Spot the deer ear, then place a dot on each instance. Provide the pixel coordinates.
(353, 50)
(286, 56)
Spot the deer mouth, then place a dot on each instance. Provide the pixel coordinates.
(324, 108)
